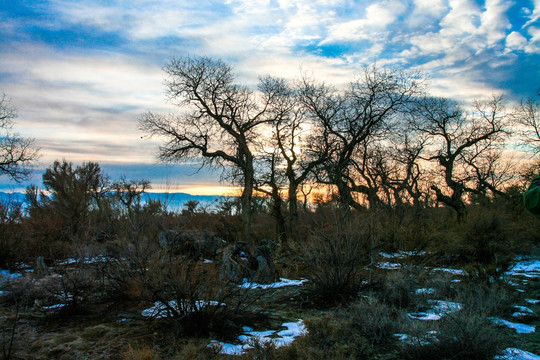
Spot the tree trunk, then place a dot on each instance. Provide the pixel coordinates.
(454, 201)
(293, 207)
(247, 194)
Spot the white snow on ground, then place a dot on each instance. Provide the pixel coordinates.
(451, 271)
(401, 254)
(425, 291)
(517, 354)
(86, 260)
(410, 340)
(520, 328)
(52, 307)
(526, 268)
(437, 311)
(388, 265)
(532, 301)
(283, 282)
(522, 311)
(279, 339)
(160, 310)
(6, 275)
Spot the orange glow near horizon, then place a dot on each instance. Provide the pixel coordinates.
(219, 190)
(319, 193)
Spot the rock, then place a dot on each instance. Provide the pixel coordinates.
(266, 271)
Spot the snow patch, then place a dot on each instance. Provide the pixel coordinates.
(52, 307)
(279, 339)
(524, 309)
(425, 291)
(160, 310)
(6, 275)
(520, 328)
(451, 271)
(283, 282)
(388, 265)
(526, 268)
(517, 354)
(86, 260)
(532, 301)
(437, 311)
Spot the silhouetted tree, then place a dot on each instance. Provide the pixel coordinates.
(74, 192)
(457, 140)
(218, 124)
(351, 118)
(527, 115)
(16, 153)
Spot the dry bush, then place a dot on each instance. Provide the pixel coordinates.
(141, 353)
(374, 320)
(489, 299)
(333, 258)
(329, 337)
(399, 288)
(459, 336)
(195, 298)
(197, 349)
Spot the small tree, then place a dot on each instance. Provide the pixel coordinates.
(75, 191)
(16, 153)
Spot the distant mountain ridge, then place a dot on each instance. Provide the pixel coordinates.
(174, 201)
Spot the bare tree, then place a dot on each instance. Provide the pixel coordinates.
(352, 117)
(457, 140)
(528, 116)
(16, 153)
(218, 122)
(296, 148)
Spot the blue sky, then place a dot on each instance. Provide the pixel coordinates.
(80, 73)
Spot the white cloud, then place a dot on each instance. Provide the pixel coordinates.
(533, 47)
(377, 17)
(495, 21)
(515, 41)
(534, 14)
(426, 13)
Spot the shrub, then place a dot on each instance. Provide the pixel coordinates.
(489, 299)
(399, 288)
(374, 320)
(459, 335)
(332, 259)
(190, 296)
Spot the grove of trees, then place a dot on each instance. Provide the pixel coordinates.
(382, 141)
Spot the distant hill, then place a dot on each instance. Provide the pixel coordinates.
(12, 197)
(174, 201)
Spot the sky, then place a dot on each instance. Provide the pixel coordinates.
(81, 73)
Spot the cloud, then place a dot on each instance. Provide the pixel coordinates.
(515, 41)
(377, 18)
(494, 21)
(533, 45)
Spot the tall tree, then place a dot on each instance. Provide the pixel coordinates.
(16, 153)
(352, 117)
(457, 138)
(527, 115)
(218, 122)
(294, 150)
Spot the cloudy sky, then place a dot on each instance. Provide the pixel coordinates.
(81, 73)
